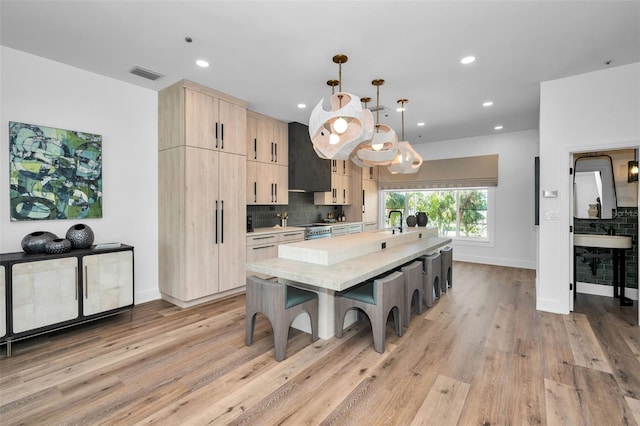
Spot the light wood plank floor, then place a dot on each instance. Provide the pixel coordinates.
(481, 356)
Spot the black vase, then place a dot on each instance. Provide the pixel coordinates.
(423, 218)
(36, 241)
(411, 221)
(80, 235)
(57, 246)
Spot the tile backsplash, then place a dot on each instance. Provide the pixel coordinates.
(625, 223)
(300, 209)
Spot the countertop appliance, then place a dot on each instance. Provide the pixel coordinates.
(313, 231)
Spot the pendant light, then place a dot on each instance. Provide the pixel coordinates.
(406, 160)
(381, 149)
(337, 132)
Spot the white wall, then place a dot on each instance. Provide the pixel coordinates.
(39, 91)
(514, 242)
(593, 111)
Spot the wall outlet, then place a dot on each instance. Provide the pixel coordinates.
(384, 246)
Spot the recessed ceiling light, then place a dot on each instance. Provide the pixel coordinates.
(302, 106)
(202, 63)
(487, 104)
(498, 128)
(468, 60)
(421, 124)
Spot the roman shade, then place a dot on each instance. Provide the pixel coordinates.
(464, 172)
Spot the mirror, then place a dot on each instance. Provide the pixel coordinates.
(594, 191)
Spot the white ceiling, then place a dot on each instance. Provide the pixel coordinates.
(278, 54)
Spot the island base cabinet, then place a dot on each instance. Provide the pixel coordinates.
(108, 282)
(44, 293)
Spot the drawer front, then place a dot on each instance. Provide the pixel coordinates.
(291, 237)
(262, 239)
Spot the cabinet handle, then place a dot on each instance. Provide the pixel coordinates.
(344, 196)
(222, 222)
(76, 270)
(272, 193)
(216, 230)
(275, 191)
(255, 148)
(216, 134)
(291, 235)
(276, 151)
(263, 238)
(222, 136)
(86, 282)
(344, 167)
(255, 192)
(363, 198)
(263, 247)
(271, 151)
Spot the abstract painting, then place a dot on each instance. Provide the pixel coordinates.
(54, 173)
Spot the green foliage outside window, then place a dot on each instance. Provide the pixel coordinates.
(456, 213)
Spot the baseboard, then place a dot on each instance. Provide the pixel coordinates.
(510, 263)
(604, 290)
(147, 296)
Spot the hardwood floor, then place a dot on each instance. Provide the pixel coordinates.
(481, 356)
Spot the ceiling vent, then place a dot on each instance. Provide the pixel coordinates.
(145, 73)
(383, 109)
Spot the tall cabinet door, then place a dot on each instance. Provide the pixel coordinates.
(202, 222)
(107, 281)
(201, 120)
(232, 128)
(44, 292)
(232, 236)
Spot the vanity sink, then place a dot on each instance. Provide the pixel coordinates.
(602, 241)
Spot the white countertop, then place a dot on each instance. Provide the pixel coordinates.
(329, 251)
(342, 275)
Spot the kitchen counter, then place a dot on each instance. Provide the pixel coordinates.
(327, 279)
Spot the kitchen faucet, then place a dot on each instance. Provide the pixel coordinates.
(396, 211)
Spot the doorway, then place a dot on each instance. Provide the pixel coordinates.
(593, 268)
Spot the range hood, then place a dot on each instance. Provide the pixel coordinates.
(307, 171)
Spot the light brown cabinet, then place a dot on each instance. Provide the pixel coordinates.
(265, 246)
(267, 159)
(202, 182)
(341, 185)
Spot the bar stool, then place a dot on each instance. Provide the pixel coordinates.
(375, 298)
(281, 304)
(432, 271)
(446, 256)
(412, 284)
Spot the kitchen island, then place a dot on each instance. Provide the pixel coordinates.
(364, 259)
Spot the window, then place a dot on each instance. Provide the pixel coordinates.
(463, 214)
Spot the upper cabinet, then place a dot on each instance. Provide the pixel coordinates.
(200, 117)
(267, 158)
(370, 174)
(341, 192)
(267, 139)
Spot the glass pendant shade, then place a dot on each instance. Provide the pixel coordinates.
(324, 126)
(406, 161)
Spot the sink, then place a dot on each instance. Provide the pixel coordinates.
(602, 241)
